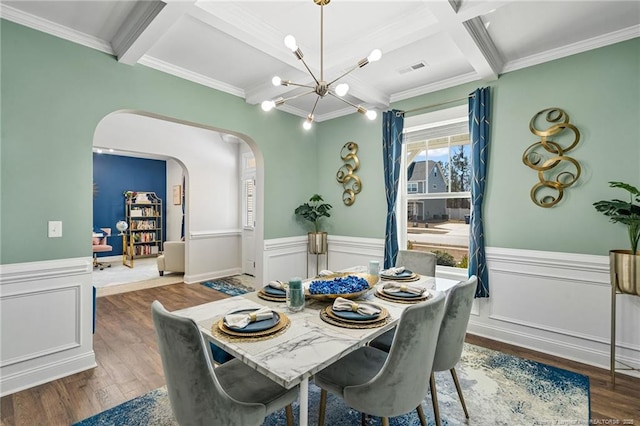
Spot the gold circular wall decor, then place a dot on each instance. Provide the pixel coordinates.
(350, 182)
(534, 158)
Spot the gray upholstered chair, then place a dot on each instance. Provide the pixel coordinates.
(420, 262)
(231, 394)
(387, 385)
(450, 340)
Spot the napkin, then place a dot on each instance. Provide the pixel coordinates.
(241, 320)
(325, 273)
(342, 304)
(393, 271)
(395, 287)
(277, 284)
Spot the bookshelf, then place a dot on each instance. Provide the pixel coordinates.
(143, 212)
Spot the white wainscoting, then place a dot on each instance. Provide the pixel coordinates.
(213, 254)
(46, 312)
(557, 303)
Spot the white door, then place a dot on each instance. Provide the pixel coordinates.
(248, 224)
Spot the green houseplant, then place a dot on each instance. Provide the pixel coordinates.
(313, 211)
(625, 264)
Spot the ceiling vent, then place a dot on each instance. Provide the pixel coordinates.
(414, 67)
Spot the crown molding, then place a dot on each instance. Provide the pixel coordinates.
(28, 20)
(574, 48)
(168, 68)
(434, 87)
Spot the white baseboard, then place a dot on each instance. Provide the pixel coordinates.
(198, 278)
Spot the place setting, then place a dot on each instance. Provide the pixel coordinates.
(399, 273)
(275, 291)
(402, 292)
(251, 324)
(348, 313)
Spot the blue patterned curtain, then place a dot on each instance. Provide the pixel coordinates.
(479, 111)
(392, 124)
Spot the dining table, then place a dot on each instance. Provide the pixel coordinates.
(308, 344)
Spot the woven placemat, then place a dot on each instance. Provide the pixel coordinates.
(324, 316)
(383, 314)
(389, 298)
(270, 297)
(414, 277)
(222, 331)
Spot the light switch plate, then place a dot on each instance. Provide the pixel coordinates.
(55, 228)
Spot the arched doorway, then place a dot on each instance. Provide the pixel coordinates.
(212, 164)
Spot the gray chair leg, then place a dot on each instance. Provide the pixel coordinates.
(289, 412)
(363, 419)
(420, 411)
(323, 405)
(385, 421)
(434, 399)
(459, 389)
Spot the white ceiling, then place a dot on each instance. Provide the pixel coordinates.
(237, 46)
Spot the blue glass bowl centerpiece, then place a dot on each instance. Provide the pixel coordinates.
(347, 285)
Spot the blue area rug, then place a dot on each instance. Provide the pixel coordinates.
(499, 389)
(233, 286)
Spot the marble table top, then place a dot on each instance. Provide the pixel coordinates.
(308, 345)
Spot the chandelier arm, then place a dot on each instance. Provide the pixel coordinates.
(355, 67)
(314, 106)
(308, 69)
(298, 96)
(344, 100)
(291, 83)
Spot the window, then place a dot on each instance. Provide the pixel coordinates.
(438, 212)
(249, 220)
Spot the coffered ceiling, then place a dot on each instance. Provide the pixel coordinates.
(237, 46)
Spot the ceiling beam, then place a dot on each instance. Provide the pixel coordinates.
(471, 38)
(148, 21)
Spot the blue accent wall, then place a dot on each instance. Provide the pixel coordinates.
(114, 174)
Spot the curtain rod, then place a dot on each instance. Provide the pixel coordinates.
(399, 113)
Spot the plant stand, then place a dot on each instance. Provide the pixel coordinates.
(615, 290)
(326, 256)
(317, 244)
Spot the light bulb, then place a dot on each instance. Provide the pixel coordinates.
(290, 42)
(276, 81)
(371, 115)
(267, 105)
(342, 89)
(307, 123)
(375, 55)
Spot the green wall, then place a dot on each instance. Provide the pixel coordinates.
(599, 90)
(54, 94)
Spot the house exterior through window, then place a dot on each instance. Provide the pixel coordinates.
(435, 192)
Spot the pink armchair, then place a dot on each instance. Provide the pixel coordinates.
(100, 245)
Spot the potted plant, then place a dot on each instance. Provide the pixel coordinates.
(313, 211)
(625, 264)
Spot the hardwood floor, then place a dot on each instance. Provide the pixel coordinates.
(129, 366)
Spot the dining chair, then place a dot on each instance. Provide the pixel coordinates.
(388, 384)
(450, 339)
(231, 394)
(420, 262)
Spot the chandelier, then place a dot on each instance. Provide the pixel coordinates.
(321, 87)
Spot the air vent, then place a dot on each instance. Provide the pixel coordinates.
(414, 67)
